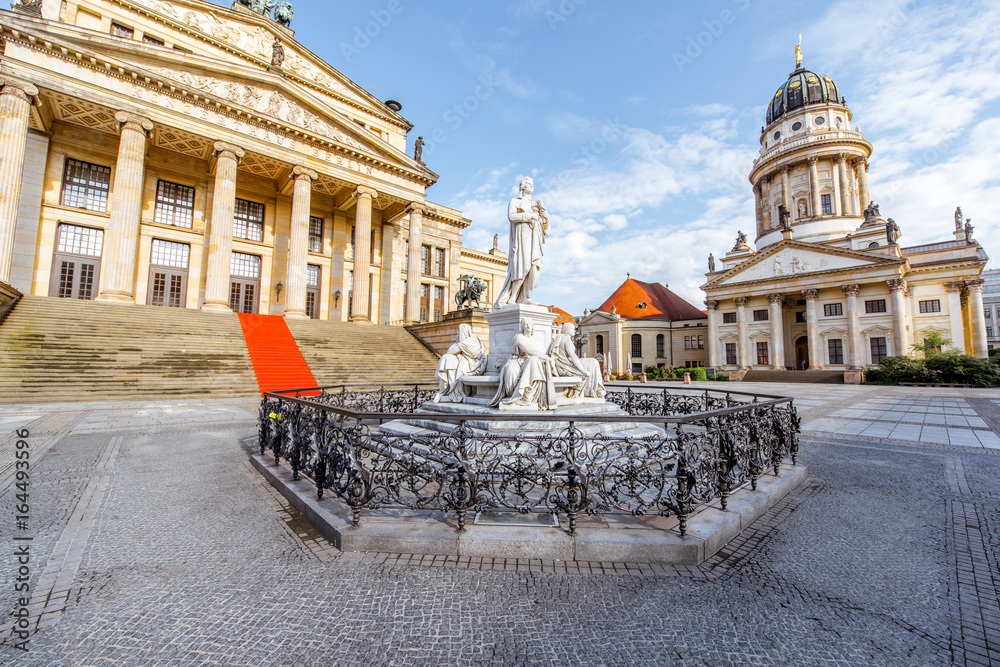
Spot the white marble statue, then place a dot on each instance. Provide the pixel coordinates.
(529, 223)
(466, 356)
(526, 379)
(566, 363)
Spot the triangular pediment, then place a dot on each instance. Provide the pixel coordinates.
(792, 258)
(599, 317)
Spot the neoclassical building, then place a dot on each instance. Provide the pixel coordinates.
(828, 285)
(182, 154)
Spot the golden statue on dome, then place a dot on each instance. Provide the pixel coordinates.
(798, 53)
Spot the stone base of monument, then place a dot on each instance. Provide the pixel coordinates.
(610, 538)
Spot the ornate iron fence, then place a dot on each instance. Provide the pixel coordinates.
(707, 444)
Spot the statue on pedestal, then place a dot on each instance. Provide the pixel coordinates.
(871, 213)
(526, 379)
(566, 363)
(892, 232)
(467, 356)
(711, 263)
(529, 223)
(418, 150)
(968, 230)
(741, 242)
(958, 219)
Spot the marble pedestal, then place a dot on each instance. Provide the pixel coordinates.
(505, 323)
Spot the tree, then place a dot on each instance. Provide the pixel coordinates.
(932, 345)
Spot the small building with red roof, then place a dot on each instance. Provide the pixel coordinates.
(645, 324)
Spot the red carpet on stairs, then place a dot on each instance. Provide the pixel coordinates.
(276, 359)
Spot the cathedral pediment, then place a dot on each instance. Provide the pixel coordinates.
(790, 259)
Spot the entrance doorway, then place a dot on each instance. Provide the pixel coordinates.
(802, 353)
(76, 264)
(244, 283)
(168, 271)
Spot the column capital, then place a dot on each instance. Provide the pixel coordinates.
(810, 294)
(231, 151)
(417, 207)
(851, 290)
(859, 162)
(812, 160)
(712, 304)
(840, 157)
(975, 285)
(785, 168)
(953, 286)
(24, 90)
(304, 173)
(362, 191)
(776, 297)
(133, 122)
(896, 284)
(741, 301)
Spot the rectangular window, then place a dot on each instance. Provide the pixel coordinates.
(80, 240)
(875, 306)
(760, 316)
(800, 316)
(729, 318)
(827, 204)
(833, 309)
(315, 234)
(762, 354)
(730, 354)
(425, 260)
(149, 39)
(439, 262)
(118, 30)
(312, 275)
(835, 346)
(988, 312)
(989, 332)
(244, 266)
(687, 342)
(660, 353)
(931, 306)
(878, 350)
(636, 345)
(86, 185)
(248, 221)
(438, 302)
(174, 204)
(701, 342)
(169, 253)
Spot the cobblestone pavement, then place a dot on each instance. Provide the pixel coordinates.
(154, 542)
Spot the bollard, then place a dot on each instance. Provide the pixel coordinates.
(642, 379)
(687, 378)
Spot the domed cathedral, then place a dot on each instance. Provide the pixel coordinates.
(828, 286)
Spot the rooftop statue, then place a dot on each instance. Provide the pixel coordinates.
(958, 219)
(968, 230)
(892, 232)
(418, 150)
(711, 263)
(279, 11)
(741, 242)
(529, 224)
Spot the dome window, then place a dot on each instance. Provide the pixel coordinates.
(796, 126)
(642, 305)
(873, 244)
(839, 121)
(777, 135)
(820, 120)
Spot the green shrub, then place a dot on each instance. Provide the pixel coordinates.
(894, 370)
(961, 368)
(697, 373)
(995, 356)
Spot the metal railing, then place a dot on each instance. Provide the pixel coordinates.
(703, 445)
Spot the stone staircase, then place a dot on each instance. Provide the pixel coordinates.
(55, 350)
(68, 350)
(812, 377)
(344, 353)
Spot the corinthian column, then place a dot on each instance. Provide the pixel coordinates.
(298, 243)
(362, 253)
(853, 327)
(220, 241)
(416, 211)
(122, 246)
(15, 106)
(812, 328)
(899, 338)
(957, 333)
(861, 166)
(977, 319)
(786, 188)
(777, 331)
(713, 332)
(817, 205)
(845, 186)
(743, 340)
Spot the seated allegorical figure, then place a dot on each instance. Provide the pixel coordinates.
(526, 379)
(566, 363)
(466, 356)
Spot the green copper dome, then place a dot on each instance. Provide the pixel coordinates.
(802, 87)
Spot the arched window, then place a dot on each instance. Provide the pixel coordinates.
(636, 345)
(600, 344)
(659, 346)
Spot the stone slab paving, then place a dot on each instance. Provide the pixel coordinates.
(176, 552)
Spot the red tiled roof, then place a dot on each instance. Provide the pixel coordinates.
(661, 303)
(562, 317)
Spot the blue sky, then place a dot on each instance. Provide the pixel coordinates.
(640, 120)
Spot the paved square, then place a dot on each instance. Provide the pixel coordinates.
(155, 542)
